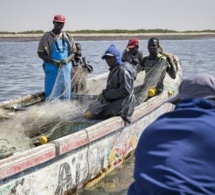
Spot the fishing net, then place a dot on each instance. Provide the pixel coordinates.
(53, 118)
(49, 114)
(79, 78)
(22, 131)
(13, 138)
(153, 80)
(62, 86)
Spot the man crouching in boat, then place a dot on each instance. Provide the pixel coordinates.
(118, 98)
(156, 66)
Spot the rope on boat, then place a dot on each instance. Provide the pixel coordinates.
(88, 163)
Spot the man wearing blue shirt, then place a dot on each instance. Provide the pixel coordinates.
(175, 154)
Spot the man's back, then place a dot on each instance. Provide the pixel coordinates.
(175, 154)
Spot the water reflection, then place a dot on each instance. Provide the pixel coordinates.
(116, 183)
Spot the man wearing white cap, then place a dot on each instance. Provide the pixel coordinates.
(56, 48)
(175, 154)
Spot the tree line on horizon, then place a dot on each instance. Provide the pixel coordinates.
(115, 31)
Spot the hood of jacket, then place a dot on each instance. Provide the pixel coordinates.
(114, 52)
(197, 103)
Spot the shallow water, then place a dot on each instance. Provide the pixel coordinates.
(22, 74)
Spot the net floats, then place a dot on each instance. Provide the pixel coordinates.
(88, 114)
(151, 92)
(43, 139)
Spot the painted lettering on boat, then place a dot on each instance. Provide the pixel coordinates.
(64, 179)
(16, 186)
(67, 177)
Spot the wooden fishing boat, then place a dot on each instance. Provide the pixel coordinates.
(84, 151)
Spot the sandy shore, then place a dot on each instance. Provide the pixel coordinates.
(84, 37)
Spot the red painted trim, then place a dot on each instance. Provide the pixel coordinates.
(25, 163)
(105, 128)
(72, 144)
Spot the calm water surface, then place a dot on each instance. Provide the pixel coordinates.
(21, 69)
(21, 74)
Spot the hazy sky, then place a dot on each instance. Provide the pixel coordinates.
(23, 15)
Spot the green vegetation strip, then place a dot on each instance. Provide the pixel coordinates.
(114, 31)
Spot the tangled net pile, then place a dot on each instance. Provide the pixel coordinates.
(21, 131)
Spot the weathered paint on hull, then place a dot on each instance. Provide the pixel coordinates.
(72, 161)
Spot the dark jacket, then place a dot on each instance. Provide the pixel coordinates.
(175, 154)
(119, 92)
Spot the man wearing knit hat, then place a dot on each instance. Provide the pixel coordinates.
(56, 48)
(175, 154)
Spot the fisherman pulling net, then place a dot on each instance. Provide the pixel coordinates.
(156, 65)
(56, 48)
(68, 81)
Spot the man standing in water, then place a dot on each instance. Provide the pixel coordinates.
(57, 48)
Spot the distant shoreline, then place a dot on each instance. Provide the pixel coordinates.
(86, 37)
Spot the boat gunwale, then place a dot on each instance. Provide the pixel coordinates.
(78, 139)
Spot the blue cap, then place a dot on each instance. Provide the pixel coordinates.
(113, 51)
